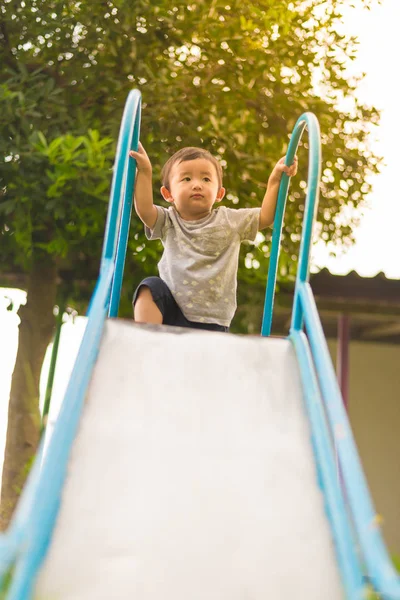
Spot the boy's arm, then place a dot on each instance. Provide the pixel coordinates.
(144, 206)
(271, 195)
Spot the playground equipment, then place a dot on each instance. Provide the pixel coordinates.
(192, 464)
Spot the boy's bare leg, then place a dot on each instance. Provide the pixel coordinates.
(146, 310)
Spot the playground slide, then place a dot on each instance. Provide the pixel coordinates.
(187, 464)
(192, 476)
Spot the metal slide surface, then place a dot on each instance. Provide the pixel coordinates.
(192, 476)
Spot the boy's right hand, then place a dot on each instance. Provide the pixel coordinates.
(142, 160)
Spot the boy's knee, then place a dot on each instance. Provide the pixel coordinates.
(144, 296)
(145, 308)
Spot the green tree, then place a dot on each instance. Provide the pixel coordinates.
(230, 76)
(58, 203)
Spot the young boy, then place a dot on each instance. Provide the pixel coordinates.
(198, 269)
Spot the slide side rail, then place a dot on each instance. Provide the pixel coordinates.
(24, 546)
(362, 554)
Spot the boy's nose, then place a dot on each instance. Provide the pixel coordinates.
(196, 185)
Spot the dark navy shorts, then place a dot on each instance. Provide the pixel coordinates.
(172, 314)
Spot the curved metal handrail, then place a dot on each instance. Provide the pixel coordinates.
(128, 139)
(348, 561)
(377, 563)
(314, 168)
(30, 530)
(127, 183)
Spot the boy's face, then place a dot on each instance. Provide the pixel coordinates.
(194, 188)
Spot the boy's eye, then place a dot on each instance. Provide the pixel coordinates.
(186, 179)
(207, 179)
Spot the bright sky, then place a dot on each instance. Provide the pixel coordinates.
(377, 245)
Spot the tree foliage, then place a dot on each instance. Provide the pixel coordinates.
(232, 77)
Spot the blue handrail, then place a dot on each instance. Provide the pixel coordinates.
(314, 166)
(25, 545)
(379, 567)
(348, 560)
(324, 402)
(128, 139)
(127, 181)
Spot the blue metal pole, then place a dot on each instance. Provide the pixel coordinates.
(379, 566)
(346, 550)
(30, 531)
(310, 121)
(274, 256)
(131, 143)
(41, 499)
(119, 177)
(310, 211)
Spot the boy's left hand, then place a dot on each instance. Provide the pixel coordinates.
(280, 168)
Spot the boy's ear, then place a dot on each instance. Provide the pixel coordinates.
(166, 194)
(220, 195)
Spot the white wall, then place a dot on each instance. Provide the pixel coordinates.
(374, 410)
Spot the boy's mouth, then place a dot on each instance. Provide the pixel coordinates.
(196, 196)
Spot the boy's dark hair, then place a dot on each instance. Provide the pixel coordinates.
(190, 153)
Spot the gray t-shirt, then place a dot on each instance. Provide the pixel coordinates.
(200, 259)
